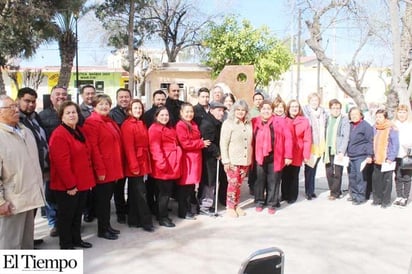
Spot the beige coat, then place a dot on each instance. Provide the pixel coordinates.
(236, 142)
(21, 181)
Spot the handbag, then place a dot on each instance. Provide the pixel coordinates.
(406, 163)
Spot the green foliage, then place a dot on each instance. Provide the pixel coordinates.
(231, 43)
(23, 26)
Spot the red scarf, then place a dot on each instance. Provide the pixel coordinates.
(263, 139)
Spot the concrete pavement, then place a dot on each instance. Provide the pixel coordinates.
(318, 236)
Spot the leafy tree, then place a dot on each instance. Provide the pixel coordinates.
(231, 43)
(124, 23)
(176, 26)
(23, 26)
(63, 29)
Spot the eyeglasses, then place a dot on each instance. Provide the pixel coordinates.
(14, 106)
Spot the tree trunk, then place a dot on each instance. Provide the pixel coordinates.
(2, 85)
(314, 43)
(131, 49)
(67, 54)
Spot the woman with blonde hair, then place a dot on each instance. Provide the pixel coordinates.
(236, 152)
(403, 176)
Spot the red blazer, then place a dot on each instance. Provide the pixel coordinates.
(302, 139)
(103, 135)
(135, 141)
(70, 163)
(191, 142)
(166, 154)
(283, 144)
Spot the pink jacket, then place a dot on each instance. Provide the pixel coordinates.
(191, 142)
(302, 139)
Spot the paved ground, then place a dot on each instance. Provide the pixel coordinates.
(318, 236)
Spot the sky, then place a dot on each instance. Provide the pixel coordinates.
(94, 52)
(276, 14)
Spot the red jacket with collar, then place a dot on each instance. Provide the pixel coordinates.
(191, 142)
(103, 135)
(166, 154)
(283, 144)
(135, 141)
(70, 162)
(302, 139)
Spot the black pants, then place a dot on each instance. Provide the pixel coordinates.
(367, 175)
(381, 185)
(151, 194)
(185, 195)
(208, 182)
(402, 180)
(139, 212)
(290, 183)
(104, 193)
(334, 177)
(89, 204)
(119, 199)
(267, 180)
(252, 177)
(165, 188)
(69, 217)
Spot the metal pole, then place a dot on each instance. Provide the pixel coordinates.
(77, 61)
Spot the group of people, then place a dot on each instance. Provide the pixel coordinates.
(199, 155)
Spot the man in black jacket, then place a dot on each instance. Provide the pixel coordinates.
(119, 114)
(173, 103)
(202, 107)
(159, 99)
(210, 127)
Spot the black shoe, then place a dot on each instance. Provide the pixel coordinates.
(313, 195)
(385, 205)
(121, 219)
(113, 231)
(88, 218)
(189, 216)
(277, 204)
(148, 228)
(291, 201)
(375, 203)
(84, 244)
(107, 235)
(166, 223)
(134, 225)
(308, 197)
(38, 241)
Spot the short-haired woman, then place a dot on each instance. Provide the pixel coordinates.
(71, 175)
(104, 136)
(236, 150)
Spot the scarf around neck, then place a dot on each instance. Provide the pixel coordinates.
(381, 141)
(263, 145)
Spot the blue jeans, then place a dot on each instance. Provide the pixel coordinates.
(51, 207)
(310, 174)
(357, 183)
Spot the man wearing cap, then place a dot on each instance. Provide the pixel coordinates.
(210, 128)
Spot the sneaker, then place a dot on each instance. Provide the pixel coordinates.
(230, 212)
(205, 211)
(271, 211)
(403, 202)
(54, 232)
(398, 201)
(259, 209)
(240, 211)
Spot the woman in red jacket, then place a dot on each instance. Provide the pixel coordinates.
(272, 151)
(135, 141)
(302, 141)
(192, 143)
(71, 175)
(166, 155)
(104, 136)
